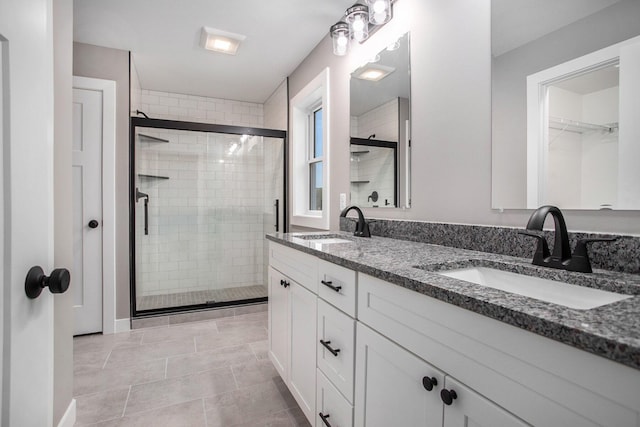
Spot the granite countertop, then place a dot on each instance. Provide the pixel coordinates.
(611, 331)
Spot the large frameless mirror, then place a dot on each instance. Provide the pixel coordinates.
(380, 149)
(565, 93)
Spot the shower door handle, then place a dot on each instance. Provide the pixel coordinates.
(145, 196)
(146, 216)
(277, 205)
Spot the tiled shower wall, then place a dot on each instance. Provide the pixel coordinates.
(206, 226)
(376, 166)
(176, 106)
(207, 221)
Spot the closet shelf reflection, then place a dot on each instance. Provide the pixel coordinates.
(568, 125)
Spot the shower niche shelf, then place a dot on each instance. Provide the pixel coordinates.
(360, 182)
(148, 138)
(151, 176)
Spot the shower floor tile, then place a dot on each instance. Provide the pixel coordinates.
(178, 299)
(136, 379)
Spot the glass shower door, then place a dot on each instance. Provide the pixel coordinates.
(203, 202)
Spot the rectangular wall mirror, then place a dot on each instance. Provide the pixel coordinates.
(380, 150)
(565, 112)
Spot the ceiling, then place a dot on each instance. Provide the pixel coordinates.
(163, 37)
(594, 81)
(517, 22)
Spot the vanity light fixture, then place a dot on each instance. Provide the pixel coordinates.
(360, 21)
(374, 73)
(379, 11)
(220, 41)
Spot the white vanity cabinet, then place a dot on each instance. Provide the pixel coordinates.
(389, 387)
(395, 387)
(509, 374)
(384, 346)
(292, 317)
(278, 322)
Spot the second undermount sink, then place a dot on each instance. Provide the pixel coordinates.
(565, 294)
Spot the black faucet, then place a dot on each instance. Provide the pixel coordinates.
(362, 228)
(561, 257)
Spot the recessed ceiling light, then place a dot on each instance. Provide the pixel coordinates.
(220, 41)
(374, 73)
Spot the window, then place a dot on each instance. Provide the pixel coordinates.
(315, 160)
(310, 154)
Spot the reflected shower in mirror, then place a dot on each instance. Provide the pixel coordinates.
(380, 129)
(565, 93)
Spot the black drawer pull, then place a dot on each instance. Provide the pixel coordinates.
(329, 284)
(281, 282)
(324, 417)
(328, 347)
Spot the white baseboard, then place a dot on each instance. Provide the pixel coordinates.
(123, 325)
(69, 417)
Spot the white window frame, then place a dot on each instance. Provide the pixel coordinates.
(313, 96)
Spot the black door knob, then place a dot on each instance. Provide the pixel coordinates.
(36, 281)
(428, 383)
(93, 223)
(448, 396)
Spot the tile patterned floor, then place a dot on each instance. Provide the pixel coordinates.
(200, 297)
(203, 374)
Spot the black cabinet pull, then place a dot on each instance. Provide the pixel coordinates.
(286, 284)
(329, 284)
(328, 347)
(448, 396)
(324, 417)
(428, 383)
(93, 223)
(36, 281)
(281, 282)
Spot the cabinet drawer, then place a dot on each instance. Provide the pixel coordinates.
(337, 286)
(337, 411)
(301, 267)
(336, 356)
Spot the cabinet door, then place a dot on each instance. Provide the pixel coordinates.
(471, 409)
(278, 320)
(389, 385)
(302, 372)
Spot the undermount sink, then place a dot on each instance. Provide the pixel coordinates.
(565, 294)
(324, 239)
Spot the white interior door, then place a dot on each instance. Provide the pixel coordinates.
(27, 204)
(87, 210)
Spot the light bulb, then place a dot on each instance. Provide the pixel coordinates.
(342, 40)
(379, 7)
(358, 25)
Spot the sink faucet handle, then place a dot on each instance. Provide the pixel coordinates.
(580, 259)
(542, 249)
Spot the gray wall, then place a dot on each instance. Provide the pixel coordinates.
(451, 112)
(62, 222)
(510, 70)
(113, 64)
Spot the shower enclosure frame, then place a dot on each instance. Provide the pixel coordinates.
(136, 122)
